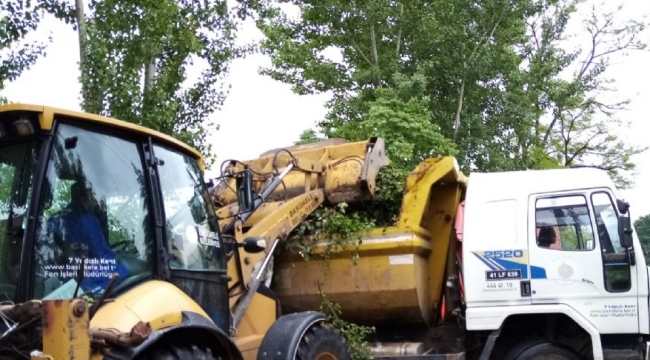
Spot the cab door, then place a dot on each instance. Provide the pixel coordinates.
(576, 259)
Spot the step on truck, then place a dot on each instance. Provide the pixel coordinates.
(505, 265)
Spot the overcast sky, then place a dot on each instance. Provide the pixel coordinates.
(261, 114)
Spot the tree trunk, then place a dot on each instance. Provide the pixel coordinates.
(149, 76)
(375, 55)
(82, 33)
(461, 96)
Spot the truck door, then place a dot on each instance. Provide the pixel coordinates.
(576, 259)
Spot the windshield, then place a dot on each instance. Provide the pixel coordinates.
(94, 209)
(16, 174)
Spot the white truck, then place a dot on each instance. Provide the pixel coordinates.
(552, 253)
(508, 265)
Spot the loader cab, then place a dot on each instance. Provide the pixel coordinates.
(84, 197)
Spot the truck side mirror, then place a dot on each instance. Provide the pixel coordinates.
(622, 206)
(625, 231)
(254, 244)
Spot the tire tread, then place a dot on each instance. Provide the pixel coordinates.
(319, 338)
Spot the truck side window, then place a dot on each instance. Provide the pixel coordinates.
(615, 260)
(563, 223)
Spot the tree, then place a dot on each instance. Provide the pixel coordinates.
(154, 43)
(307, 137)
(642, 227)
(135, 56)
(492, 78)
(421, 45)
(17, 19)
(581, 112)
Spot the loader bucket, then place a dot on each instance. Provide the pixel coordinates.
(345, 171)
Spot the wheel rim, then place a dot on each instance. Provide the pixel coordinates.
(326, 356)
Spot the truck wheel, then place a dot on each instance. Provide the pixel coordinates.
(162, 351)
(322, 342)
(541, 351)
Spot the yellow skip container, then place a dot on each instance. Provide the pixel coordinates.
(400, 271)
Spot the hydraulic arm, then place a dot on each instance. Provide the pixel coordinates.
(262, 200)
(345, 172)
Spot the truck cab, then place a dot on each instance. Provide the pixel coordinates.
(549, 254)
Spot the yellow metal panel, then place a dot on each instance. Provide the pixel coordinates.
(256, 322)
(158, 302)
(21, 107)
(226, 213)
(419, 188)
(47, 115)
(277, 224)
(431, 197)
(442, 209)
(65, 329)
(387, 284)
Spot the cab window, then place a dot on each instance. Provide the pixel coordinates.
(563, 223)
(615, 258)
(192, 238)
(17, 162)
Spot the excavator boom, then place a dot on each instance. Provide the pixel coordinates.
(345, 171)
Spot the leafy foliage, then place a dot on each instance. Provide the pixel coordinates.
(331, 225)
(353, 334)
(307, 137)
(154, 42)
(490, 84)
(135, 56)
(642, 227)
(389, 189)
(17, 19)
(405, 125)
(582, 111)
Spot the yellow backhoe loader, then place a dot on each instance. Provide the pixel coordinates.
(110, 247)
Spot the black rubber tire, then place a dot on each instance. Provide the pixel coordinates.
(322, 342)
(163, 351)
(541, 351)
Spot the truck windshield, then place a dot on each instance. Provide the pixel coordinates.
(93, 211)
(16, 175)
